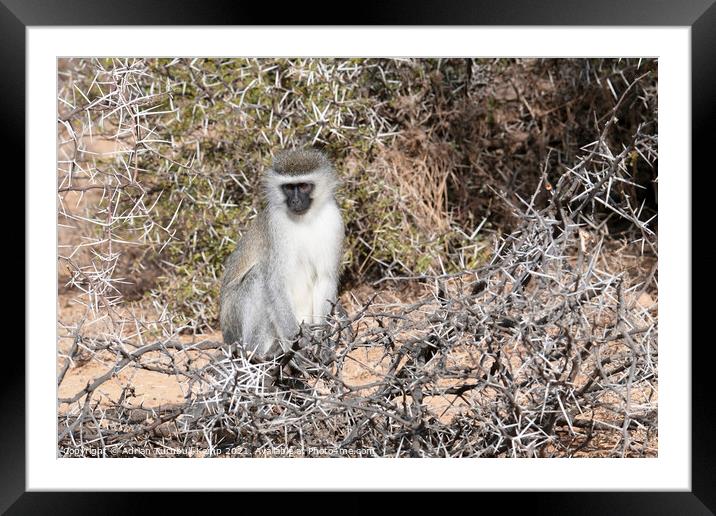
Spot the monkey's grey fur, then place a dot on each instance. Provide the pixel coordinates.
(285, 268)
(298, 162)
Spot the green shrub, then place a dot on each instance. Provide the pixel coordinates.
(422, 147)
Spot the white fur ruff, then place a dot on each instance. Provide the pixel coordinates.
(309, 248)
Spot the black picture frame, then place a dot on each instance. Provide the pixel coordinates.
(700, 15)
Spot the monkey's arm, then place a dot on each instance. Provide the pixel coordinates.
(324, 295)
(247, 254)
(281, 312)
(325, 289)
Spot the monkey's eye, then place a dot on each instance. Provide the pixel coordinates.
(305, 187)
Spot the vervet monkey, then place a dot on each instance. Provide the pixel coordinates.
(285, 268)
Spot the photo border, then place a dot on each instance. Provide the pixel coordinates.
(17, 15)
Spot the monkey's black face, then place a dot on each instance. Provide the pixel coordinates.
(298, 196)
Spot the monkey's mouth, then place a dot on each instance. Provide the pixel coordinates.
(299, 206)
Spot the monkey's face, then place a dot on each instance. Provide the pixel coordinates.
(298, 193)
(298, 196)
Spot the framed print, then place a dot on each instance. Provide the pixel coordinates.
(419, 252)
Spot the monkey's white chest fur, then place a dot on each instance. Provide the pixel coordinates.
(311, 249)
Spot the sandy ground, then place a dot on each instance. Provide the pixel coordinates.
(152, 389)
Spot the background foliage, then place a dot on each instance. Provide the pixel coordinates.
(422, 147)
